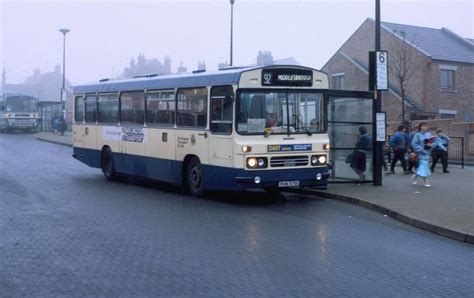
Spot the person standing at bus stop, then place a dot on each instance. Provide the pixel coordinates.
(359, 160)
(399, 144)
(440, 150)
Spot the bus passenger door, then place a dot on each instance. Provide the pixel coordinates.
(221, 147)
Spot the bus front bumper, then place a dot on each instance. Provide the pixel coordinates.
(21, 123)
(283, 178)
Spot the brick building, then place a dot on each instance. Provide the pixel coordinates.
(435, 65)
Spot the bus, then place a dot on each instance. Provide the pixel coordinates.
(19, 112)
(234, 129)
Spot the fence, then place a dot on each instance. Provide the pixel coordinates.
(456, 151)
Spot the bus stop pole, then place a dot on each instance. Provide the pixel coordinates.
(378, 150)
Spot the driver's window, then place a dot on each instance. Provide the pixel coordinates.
(221, 109)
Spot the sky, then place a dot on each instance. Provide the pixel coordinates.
(106, 34)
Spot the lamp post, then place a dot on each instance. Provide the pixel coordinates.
(64, 31)
(231, 28)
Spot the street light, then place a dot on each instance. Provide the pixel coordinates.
(64, 31)
(231, 28)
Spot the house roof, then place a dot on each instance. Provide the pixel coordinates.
(46, 87)
(439, 44)
(392, 89)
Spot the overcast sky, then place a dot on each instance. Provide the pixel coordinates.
(105, 35)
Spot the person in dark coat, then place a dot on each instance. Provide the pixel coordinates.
(359, 159)
(440, 151)
(399, 143)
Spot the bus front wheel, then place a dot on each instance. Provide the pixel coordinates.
(194, 177)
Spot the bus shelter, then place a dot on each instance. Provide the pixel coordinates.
(349, 113)
(48, 110)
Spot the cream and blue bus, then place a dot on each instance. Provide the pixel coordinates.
(19, 112)
(234, 129)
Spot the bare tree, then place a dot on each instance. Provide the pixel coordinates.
(402, 66)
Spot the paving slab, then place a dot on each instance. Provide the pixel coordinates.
(55, 138)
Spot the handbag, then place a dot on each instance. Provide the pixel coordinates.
(349, 157)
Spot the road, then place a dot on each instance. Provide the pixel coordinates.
(66, 231)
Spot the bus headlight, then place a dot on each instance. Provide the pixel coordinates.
(322, 159)
(246, 149)
(257, 162)
(318, 160)
(326, 147)
(251, 162)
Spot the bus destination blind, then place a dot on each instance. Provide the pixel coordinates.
(287, 77)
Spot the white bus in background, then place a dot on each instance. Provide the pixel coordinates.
(19, 112)
(234, 129)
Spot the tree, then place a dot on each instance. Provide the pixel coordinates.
(401, 66)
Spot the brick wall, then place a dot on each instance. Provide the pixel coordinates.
(461, 99)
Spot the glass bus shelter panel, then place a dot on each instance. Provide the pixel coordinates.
(350, 110)
(346, 158)
(347, 119)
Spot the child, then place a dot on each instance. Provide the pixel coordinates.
(421, 145)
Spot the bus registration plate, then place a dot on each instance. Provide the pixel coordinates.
(288, 183)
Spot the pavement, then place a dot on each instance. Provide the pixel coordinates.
(446, 209)
(55, 138)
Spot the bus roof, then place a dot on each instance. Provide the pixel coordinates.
(17, 95)
(197, 79)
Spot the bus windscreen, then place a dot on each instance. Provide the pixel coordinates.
(21, 104)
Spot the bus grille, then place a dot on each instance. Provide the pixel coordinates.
(289, 161)
(22, 115)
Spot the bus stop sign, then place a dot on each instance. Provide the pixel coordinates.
(378, 70)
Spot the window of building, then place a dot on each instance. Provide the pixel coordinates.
(132, 107)
(447, 79)
(338, 81)
(160, 107)
(447, 114)
(107, 108)
(221, 109)
(91, 108)
(192, 107)
(79, 109)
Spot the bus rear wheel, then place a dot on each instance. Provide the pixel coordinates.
(194, 177)
(107, 165)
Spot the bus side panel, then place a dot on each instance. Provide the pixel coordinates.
(90, 157)
(160, 150)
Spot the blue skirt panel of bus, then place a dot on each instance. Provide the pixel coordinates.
(215, 178)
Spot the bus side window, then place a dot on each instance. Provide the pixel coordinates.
(91, 108)
(132, 107)
(221, 109)
(107, 108)
(160, 107)
(192, 107)
(79, 109)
